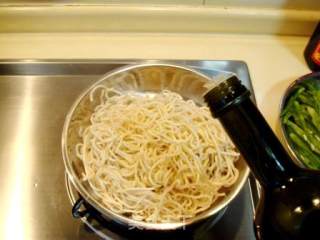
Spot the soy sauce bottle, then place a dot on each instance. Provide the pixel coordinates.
(289, 207)
(312, 50)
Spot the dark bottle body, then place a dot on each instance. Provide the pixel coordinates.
(312, 50)
(290, 211)
(289, 208)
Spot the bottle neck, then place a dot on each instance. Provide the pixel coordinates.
(257, 143)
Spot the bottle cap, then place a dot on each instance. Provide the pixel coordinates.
(227, 93)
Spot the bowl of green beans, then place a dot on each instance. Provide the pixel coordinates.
(300, 120)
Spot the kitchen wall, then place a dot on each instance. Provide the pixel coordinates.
(281, 17)
(273, 4)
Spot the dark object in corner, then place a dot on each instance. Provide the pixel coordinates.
(312, 50)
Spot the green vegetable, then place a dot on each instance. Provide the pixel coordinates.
(286, 113)
(315, 117)
(301, 118)
(312, 142)
(309, 158)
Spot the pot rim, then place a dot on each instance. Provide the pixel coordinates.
(109, 213)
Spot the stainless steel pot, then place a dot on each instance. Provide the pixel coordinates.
(146, 78)
(285, 98)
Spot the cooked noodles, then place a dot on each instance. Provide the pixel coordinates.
(155, 158)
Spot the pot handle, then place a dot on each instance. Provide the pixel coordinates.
(76, 212)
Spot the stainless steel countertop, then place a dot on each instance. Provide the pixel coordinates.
(34, 99)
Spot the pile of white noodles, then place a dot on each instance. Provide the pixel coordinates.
(155, 158)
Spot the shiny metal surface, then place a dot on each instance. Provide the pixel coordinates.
(33, 104)
(142, 79)
(223, 226)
